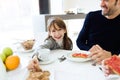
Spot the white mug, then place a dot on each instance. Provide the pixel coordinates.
(44, 54)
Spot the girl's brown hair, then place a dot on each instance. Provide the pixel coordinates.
(59, 22)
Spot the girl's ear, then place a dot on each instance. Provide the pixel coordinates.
(49, 33)
(65, 31)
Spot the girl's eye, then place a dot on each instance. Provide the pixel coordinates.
(59, 29)
(53, 31)
(104, 0)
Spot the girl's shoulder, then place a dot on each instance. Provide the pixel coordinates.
(50, 40)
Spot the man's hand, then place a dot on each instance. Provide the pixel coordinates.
(98, 54)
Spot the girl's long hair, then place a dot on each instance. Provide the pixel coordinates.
(59, 22)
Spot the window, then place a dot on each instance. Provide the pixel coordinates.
(16, 18)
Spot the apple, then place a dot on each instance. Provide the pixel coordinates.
(3, 57)
(7, 51)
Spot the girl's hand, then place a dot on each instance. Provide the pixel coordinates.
(34, 65)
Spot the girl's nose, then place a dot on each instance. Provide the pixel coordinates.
(57, 33)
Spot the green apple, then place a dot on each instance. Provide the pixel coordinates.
(7, 51)
(3, 57)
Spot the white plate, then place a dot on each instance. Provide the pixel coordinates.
(22, 74)
(69, 56)
(113, 77)
(51, 60)
(20, 49)
(51, 77)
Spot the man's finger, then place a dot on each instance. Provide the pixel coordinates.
(98, 47)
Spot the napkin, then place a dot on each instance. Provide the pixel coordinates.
(18, 74)
(3, 72)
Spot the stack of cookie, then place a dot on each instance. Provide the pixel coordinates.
(28, 44)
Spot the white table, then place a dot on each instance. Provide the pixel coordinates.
(66, 70)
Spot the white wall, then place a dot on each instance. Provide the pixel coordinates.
(56, 6)
(17, 14)
(16, 19)
(86, 5)
(59, 6)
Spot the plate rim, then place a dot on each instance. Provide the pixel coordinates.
(26, 74)
(77, 59)
(51, 60)
(24, 51)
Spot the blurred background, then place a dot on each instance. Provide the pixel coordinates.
(17, 16)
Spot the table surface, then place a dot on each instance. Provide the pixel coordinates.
(66, 70)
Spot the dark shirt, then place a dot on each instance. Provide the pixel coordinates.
(97, 29)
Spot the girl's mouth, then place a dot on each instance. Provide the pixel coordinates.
(58, 37)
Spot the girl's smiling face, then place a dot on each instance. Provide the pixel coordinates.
(57, 33)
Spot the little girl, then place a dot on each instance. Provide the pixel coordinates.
(57, 36)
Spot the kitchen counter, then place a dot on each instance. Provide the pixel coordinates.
(41, 20)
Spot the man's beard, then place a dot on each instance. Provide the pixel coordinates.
(105, 14)
(108, 13)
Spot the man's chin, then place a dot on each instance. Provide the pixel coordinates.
(104, 12)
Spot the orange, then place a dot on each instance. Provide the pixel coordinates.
(12, 62)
